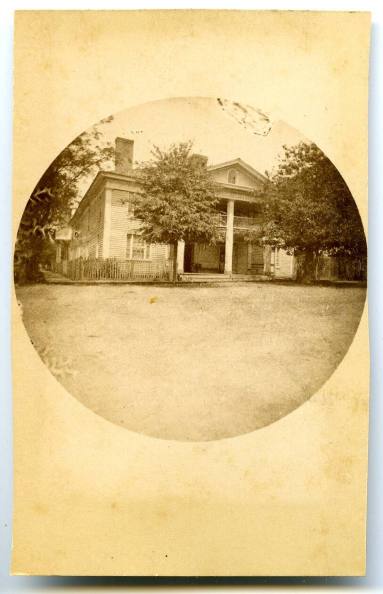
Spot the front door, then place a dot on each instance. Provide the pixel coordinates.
(188, 257)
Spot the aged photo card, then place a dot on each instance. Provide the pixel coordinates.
(190, 335)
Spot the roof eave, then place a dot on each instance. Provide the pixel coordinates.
(101, 177)
(240, 162)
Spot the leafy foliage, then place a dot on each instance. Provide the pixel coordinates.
(178, 199)
(309, 206)
(53, 200)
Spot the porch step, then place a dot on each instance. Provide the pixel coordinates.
(250, 277)
(201, 277)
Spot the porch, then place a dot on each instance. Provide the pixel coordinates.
(201, 277)
(199, 259)
(233, 255)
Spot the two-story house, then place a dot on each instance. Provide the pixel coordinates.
(103, 240)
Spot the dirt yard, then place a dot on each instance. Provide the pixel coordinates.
(191, 363)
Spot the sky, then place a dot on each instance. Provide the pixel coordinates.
(221, 130)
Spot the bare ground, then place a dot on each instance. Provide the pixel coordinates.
(192, 363)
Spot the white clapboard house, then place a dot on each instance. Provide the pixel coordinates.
(102, 240)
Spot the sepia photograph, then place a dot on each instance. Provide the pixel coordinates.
(191, 268)
(188, 271)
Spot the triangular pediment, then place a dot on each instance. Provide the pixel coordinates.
(237, 172)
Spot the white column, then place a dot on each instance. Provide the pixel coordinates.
(229, 237)
(107, 226)
(180, 257)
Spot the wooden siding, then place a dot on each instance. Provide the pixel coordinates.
(243, 177)
(88, 230)
(282, 263)
(123, 224)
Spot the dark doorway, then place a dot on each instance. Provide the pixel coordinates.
(188, 258)
(222, 257)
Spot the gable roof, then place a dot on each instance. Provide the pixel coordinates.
(242, 164)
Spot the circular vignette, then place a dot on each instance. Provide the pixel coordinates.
(260, 317)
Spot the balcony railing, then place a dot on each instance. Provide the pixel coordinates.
(239, 222)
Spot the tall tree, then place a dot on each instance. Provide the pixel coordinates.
(53, 200)
(310, 210)
(178, 201)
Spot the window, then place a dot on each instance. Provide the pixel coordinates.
(137, 248)
(232, 177)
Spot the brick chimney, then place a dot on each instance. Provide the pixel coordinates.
(198, 160)
(123, 160)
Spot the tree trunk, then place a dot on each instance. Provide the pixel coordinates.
(307, 267)
(33, 273)
(175, 254)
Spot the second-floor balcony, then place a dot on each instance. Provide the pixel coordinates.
(239, 222)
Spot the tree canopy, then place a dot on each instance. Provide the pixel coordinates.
(178, 201)
(309, 207)
(54, 198)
